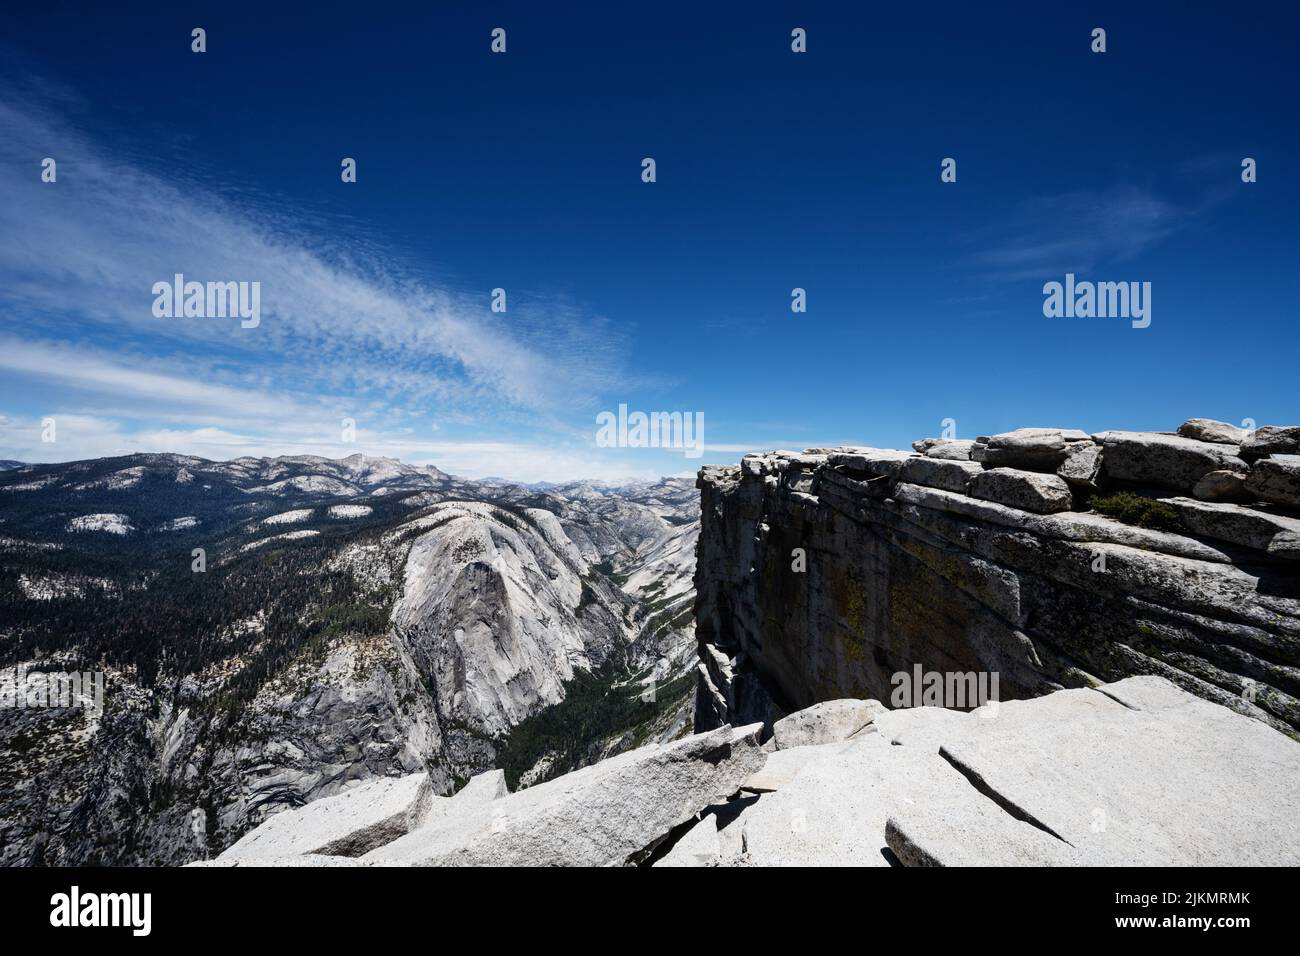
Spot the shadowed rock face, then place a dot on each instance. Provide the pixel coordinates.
(822, 574)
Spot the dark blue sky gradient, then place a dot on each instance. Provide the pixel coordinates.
(775, 171)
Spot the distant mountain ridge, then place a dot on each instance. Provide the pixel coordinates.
(370, 470)
(353, 618)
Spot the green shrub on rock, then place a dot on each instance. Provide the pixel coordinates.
(1141, 511)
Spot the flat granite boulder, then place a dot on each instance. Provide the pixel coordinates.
(1026, 490)
(834, 812)
(347, 825)
(1032, 449)
(1169, 461)
(1082, 468)
(1065, 525)
(606, 814)
(826, 723)
(1223, 486)
(1137, 772)
(1276, 480)
(278, 862)
(1277, 534)
(940, 473)
(783, 766)
(482, 788)
(1033, 438)
(924, 727)
(880, 462)
(967, 832)
(953, 449)
(1207, 429)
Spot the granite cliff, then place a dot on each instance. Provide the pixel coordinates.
(1049, 557)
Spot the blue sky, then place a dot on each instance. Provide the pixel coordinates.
(522, 171)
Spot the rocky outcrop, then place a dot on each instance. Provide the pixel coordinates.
(1132, 773)
(1271, 440)
(1222, 486)
(1206, 429)
(1257, 529)
(1036, 449)
(607, 814)
(784, 764)
(1042, 494)
(1168, 461)
(367, 816)
(612, 813)
(1276, 480)
(825, 723)
(827, 573)
(953, 448)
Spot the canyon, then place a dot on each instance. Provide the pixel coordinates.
(350, 620)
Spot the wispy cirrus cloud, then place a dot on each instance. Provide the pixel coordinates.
(1076, 230)
(139, 390)
(1083, 229)
(344, 327)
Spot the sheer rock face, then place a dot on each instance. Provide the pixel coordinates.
(821, 576)
(490, 610)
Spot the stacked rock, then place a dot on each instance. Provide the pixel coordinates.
(1226, 483)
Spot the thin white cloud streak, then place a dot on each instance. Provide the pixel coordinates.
(1076, 231)
(144, 391)
(249, 421)
(89, 248)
